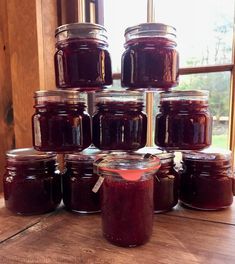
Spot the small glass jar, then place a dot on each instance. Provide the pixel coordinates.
(32, 183)
(119, 122)
(150, 60)
(78, 181)
(207, 181)
(82, 60)
(166, 180)
(184, 121)
(127, 197)
(60, 122)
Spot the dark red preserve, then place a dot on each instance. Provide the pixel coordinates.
(78, 181)
(127, 198)
(184, 121)
(119, 122)
(60, 122)
(150, 60)
(207, 179)
(32, 183)
(82, 60)
(166, 180)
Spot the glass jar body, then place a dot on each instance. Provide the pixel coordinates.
(78, 181)
(127, 211)
(206, 186)
(166, 184)
(61, 127)
(82, 64)
(183, 125)
(119, 126)
(32, 187)
(150, 62)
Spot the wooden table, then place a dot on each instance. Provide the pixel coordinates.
(180, 236)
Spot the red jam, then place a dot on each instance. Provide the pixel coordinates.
(78, 181)
(150, 59)
(184, 121)
(166, 180)
(60, 123)
(82, 60)
(32, 185)
(119, 124)
(127, 197)
(207, 180)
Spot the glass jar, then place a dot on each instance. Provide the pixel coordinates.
(119, 122)
(60, 122)
(127, 197)
(32, 183)
(150, 59)
(207, 179)
(184, 121)
(166, 180)
(82, 60)
(78, 181)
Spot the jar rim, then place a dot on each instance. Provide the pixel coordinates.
(115, 96)
(26, 154)
(184, 95)
(150, 30)
(89, 154)
(161, 154)
(81, 30)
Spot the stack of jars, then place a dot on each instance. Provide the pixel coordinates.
(117, 174)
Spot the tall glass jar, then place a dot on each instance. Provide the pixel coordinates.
(32, 183)
(207, 179)
(82, 60)
(166, 180)
(60, 122)
(78, 181)
(184, 121)
(119, 122)
(150, 60)
(127, 197)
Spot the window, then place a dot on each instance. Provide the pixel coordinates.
(205, 43)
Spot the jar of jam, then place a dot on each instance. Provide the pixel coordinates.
(119, 122)
(184, 121)
(60, 122)
(78, 181)
(150, 60)
(32, 183)
(127, 197)
(166, 180)
(207, 179)
(82, 60)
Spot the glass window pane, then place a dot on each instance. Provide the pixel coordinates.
(118, 15)
(204, 29)
(218, 85)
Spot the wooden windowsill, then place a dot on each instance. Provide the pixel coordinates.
(180, 236)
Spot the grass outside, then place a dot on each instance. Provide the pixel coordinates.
(220, 141)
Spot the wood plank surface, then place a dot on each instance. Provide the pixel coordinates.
(69, 238)
(6, 111)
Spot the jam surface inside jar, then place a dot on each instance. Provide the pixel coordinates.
(60, 122)
(127, 198)
(82, 60)
(166, 180)
(78, 181)
(32, 183)
(184, 121)
(150, 59)
(207, 179)
(119, 122)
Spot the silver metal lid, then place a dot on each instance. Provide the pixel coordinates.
(119, 96)
(60, 96)
(90, 154)
(81, 30)
(150, 30)
(26, 154)
(161, 154)
(185, 95)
